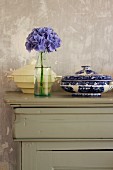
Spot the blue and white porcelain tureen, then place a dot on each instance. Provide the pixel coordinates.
(87, 83)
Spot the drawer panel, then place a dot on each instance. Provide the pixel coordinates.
(74, 160)
(63, 126)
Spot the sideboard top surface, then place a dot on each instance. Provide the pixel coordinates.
(57, 99)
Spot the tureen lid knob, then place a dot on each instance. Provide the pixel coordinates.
(85, 67)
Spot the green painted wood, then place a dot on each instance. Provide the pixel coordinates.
(43, 156)
(82, 117)
(57, 100)
(64, 126)
(60, 111)
(29, 156)
(64, 156)
(54, 131)
(72, 160)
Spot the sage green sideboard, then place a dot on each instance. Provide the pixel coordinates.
(63, 133)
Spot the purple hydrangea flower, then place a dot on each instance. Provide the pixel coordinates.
(43, 40)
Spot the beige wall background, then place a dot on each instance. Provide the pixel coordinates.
(86, 30)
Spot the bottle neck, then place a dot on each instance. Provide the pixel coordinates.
(42, 60)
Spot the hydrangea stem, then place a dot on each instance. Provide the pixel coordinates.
(41, 77)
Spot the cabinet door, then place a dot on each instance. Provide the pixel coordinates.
(74, 160)
(60, 156)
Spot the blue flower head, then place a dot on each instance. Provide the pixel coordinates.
(43, 40)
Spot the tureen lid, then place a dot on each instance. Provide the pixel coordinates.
(86, 74)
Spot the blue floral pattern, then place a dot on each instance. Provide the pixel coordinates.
(86, 83)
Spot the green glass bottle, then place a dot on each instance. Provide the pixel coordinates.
(42, 77)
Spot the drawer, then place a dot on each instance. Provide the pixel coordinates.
(68, 159)
(63, 126)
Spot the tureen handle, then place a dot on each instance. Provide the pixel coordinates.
(111, 85)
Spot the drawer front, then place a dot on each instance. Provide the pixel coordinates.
(64, 126)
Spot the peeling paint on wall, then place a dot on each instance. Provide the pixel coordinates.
(2, 147)
(11, 150)
(7, 133)
(18, 40)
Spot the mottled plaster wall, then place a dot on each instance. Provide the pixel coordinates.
(86, 30)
